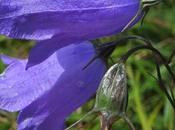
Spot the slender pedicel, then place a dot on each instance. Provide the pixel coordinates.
(165, 63)
(144, 7)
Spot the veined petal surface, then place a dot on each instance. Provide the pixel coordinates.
(74, 87)
(80, 19)
(20, 87)
(72, 90)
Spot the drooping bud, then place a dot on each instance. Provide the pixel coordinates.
(112, 95)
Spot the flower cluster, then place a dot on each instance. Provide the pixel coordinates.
(48, 86)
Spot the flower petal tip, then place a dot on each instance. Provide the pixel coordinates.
(28, 65)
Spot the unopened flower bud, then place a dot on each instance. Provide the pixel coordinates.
(112, 94)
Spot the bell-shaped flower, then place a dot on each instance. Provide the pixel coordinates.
(46, 94)
(57, 23)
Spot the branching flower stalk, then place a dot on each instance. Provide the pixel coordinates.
(156, 52)
(64, 33)
(107, 49)
(167, 90)
(165, 63)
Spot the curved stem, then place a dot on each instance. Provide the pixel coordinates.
(128, 121)
(122, 40)
(171, 56)
(155, 51)
(160, 81)
(163, 87)
(104, 50)
(109, 47)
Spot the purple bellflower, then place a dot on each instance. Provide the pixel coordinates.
(57, 23)
(47, 93)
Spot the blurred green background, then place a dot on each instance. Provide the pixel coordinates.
(148, 107)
